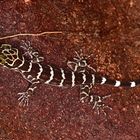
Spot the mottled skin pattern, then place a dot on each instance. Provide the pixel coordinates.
(31, 66)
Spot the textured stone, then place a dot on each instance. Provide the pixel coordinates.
(108, 29)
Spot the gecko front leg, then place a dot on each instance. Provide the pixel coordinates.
(31, 53)
(95, 100)
(24, 96)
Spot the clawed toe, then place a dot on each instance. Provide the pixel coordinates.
(23, 99)
(98, 104)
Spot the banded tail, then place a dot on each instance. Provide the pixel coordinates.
(116, 83)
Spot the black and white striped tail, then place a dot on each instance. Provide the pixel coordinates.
(116, 83)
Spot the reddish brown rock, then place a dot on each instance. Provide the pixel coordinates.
(108, 29)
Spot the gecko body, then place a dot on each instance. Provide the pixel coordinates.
(33, 69)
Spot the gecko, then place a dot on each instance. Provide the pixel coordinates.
(28, 62)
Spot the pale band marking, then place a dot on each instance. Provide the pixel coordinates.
(40, 71)
(117, 84)
(22, 62)
(103, 80)
(32, 88)
(51, 75)
(29, 77)
(83, 95)
(30, 67)
(93, 79)
(12, 62)
(63, 77)
(84, 78)
(133, 84)
(73, 79)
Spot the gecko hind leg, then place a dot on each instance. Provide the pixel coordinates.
(24, 96)
(79, 63)
(98, 105)
(95, 100)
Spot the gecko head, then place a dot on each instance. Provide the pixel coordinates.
(7, 54)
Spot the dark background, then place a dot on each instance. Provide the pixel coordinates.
(109, 29)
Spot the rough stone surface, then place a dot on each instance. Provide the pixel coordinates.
(109, 29)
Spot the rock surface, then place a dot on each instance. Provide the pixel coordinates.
(108, 29)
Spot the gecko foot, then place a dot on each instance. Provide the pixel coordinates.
(98, 105)
(23, 99)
